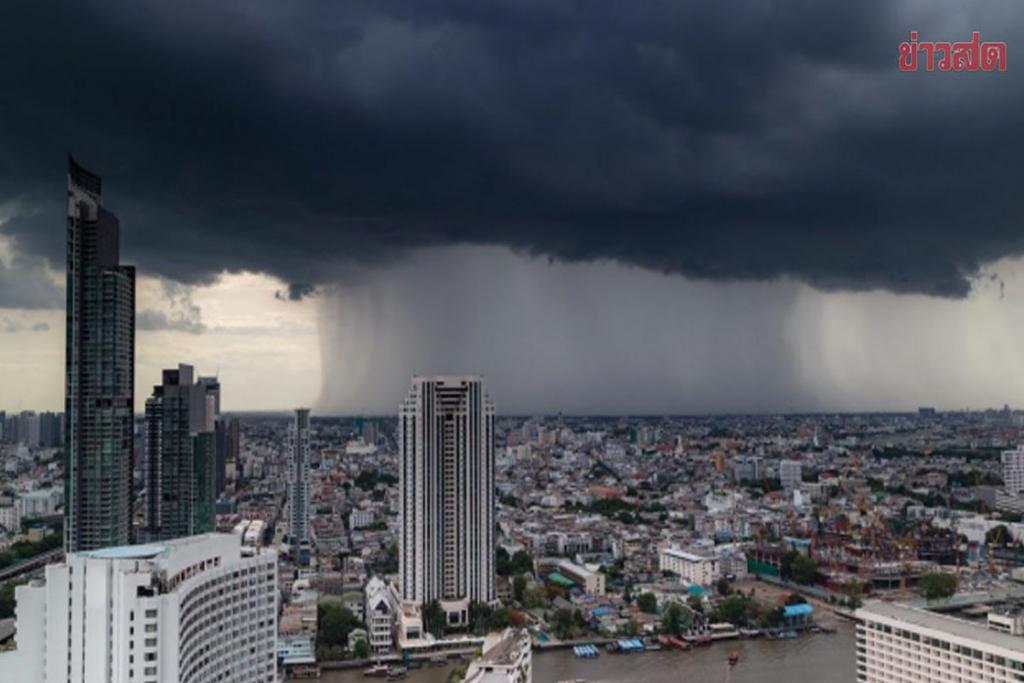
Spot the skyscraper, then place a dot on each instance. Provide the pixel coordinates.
(178, 465)
(446, 441)
(227, 438)
(298, 480)
(212, 385)
(99, 372)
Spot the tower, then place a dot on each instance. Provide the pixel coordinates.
(298, 480)
(446, 442)
(99, 386)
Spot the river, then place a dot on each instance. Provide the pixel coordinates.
(820, 658)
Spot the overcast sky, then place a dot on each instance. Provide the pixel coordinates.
(696, 207)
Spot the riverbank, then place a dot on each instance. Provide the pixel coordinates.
(822, 658)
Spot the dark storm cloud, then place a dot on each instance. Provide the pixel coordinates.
(720, 140)
(297, 291)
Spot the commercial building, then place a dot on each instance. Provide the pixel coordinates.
(902, 643)
(1013, 470)
(99, 372)
(691, 567)
(507, 658)
(790, 474)
(746, 468)
(191, 610)
(446, 444)
(298, 480)
(178, 458)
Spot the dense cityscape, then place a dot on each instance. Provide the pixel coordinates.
(202, 545)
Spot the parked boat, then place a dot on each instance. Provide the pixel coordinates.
(305, 671)
(377, 671)
(679, 643)
(395, 672)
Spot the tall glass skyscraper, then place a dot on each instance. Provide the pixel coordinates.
(446, 442)
(99, 373)
(178, 460)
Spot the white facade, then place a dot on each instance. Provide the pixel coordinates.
(298, 480)
(10, 518)
(380, 616)
(192, 610)
(446, 441)
(905, 644)
(691, 567)
(507, 658)
(1013, 470)
(789, 474)
(360, 519)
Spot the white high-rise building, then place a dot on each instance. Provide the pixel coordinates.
(1013, 470)
(901, 643)
(446, 440)
(298, 480)
(790, 475)
(191, 610)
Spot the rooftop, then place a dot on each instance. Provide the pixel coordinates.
(127, 552)
(978, 635)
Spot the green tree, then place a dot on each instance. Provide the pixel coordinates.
(334, 623)
(361, 650)
(521, 563)
(563, 624)
(804, 570)
(936, 585)
(998, 536)
(502, 562)
(433, 618)
(518, 586)
(723, 586)
(647, 603)
(696, 604)
(675, 619)
(535, 597)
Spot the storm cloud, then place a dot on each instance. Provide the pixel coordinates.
(748, 140)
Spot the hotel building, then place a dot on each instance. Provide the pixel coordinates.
(900, 644)
(191, 610)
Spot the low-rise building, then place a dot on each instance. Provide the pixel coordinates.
(691, 567)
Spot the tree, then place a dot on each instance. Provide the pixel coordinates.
(433, 618)
(736, 610)
(535, 597)
(334, 623)
(998, 536)
(647, 603)
(804, 570)
(936, 585)
(563, 624)
(518, 586)
(521, 563)
(361, 650)
(675, 619)
(723, 586)
(696, 604)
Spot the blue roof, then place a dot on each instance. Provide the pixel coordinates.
(797, 610)
(127, 552)
(695, 589)
(601, 611)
